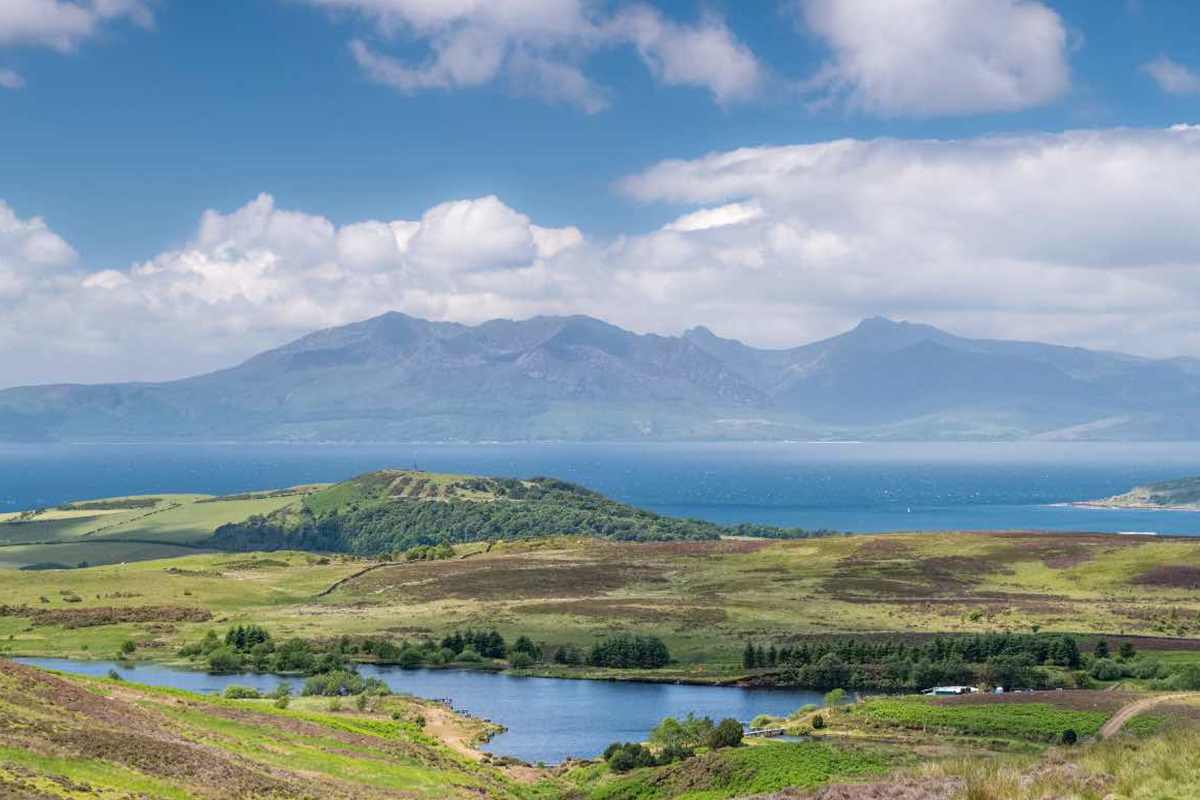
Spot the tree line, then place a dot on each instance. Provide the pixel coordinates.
(252, 647)
(1003, 659)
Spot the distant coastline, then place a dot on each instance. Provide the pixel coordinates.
(1177, 495)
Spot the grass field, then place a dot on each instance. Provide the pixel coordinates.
(172, 525)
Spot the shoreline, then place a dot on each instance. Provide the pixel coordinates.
(1106, 505)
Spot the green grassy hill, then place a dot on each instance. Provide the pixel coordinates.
(394, 510)
(113, 530)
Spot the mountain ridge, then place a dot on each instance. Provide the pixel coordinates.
(395, 377)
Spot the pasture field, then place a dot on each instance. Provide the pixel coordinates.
(125, 529)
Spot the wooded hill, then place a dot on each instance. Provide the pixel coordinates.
(395, 510)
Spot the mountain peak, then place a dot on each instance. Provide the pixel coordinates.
(882, 333)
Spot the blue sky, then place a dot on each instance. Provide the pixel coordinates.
(122, 124)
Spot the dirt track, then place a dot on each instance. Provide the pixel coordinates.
(1126, 713)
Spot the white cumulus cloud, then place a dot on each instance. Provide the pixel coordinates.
(939, 57)
(63, 24)
(1172, 77)
(539, 47)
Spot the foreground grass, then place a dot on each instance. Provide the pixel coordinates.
(748, 770)
(1163, 767)
(69, 737)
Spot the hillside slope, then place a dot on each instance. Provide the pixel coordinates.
(66, 738)
(399, 378)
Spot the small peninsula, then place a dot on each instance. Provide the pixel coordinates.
(1182, 494)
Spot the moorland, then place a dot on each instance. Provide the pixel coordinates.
(540, 577)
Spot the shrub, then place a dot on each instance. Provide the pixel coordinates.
(340, 682)
(691, 731)
(763, 721)
(834, 697)
(1069, 736)
(568, 654)
(1186, 678)
(234, 692)
(113, 675)
(128, 647)
(224, 659)
(282, 702)
(469, 656)
(525, 645)
(409, 657)
(624, 756)
(673, 753)
(728, 733)
(818, 722)
(1105, 669)
(293, 656)
(521, 661)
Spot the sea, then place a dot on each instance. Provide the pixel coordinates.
(846, 486)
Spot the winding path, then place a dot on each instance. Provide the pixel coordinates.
(1128, 712)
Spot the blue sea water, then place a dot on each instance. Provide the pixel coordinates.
(846, 486)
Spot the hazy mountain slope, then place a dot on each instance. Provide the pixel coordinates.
(399, 378)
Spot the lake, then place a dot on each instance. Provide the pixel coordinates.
(548, 719)
(874, 486)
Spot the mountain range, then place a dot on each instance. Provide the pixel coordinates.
(399, 378)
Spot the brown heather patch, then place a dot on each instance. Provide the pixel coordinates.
(1076, 700)
(1171, 576)
(637, 550)
(641, 611)
(887, 570)
(1060, 551)
(106, 615)
(506, 578)
(897, 789)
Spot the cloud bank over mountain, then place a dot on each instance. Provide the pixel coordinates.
(1086, 237)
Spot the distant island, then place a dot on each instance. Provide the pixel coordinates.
(402, 513)
(1182, 494)
(397, 378)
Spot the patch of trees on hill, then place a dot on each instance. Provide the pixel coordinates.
(1011, 660)
(531, 509)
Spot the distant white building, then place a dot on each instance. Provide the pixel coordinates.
(944, 691)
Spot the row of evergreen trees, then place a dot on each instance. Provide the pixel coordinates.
(625, 651)
(1056, 649)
